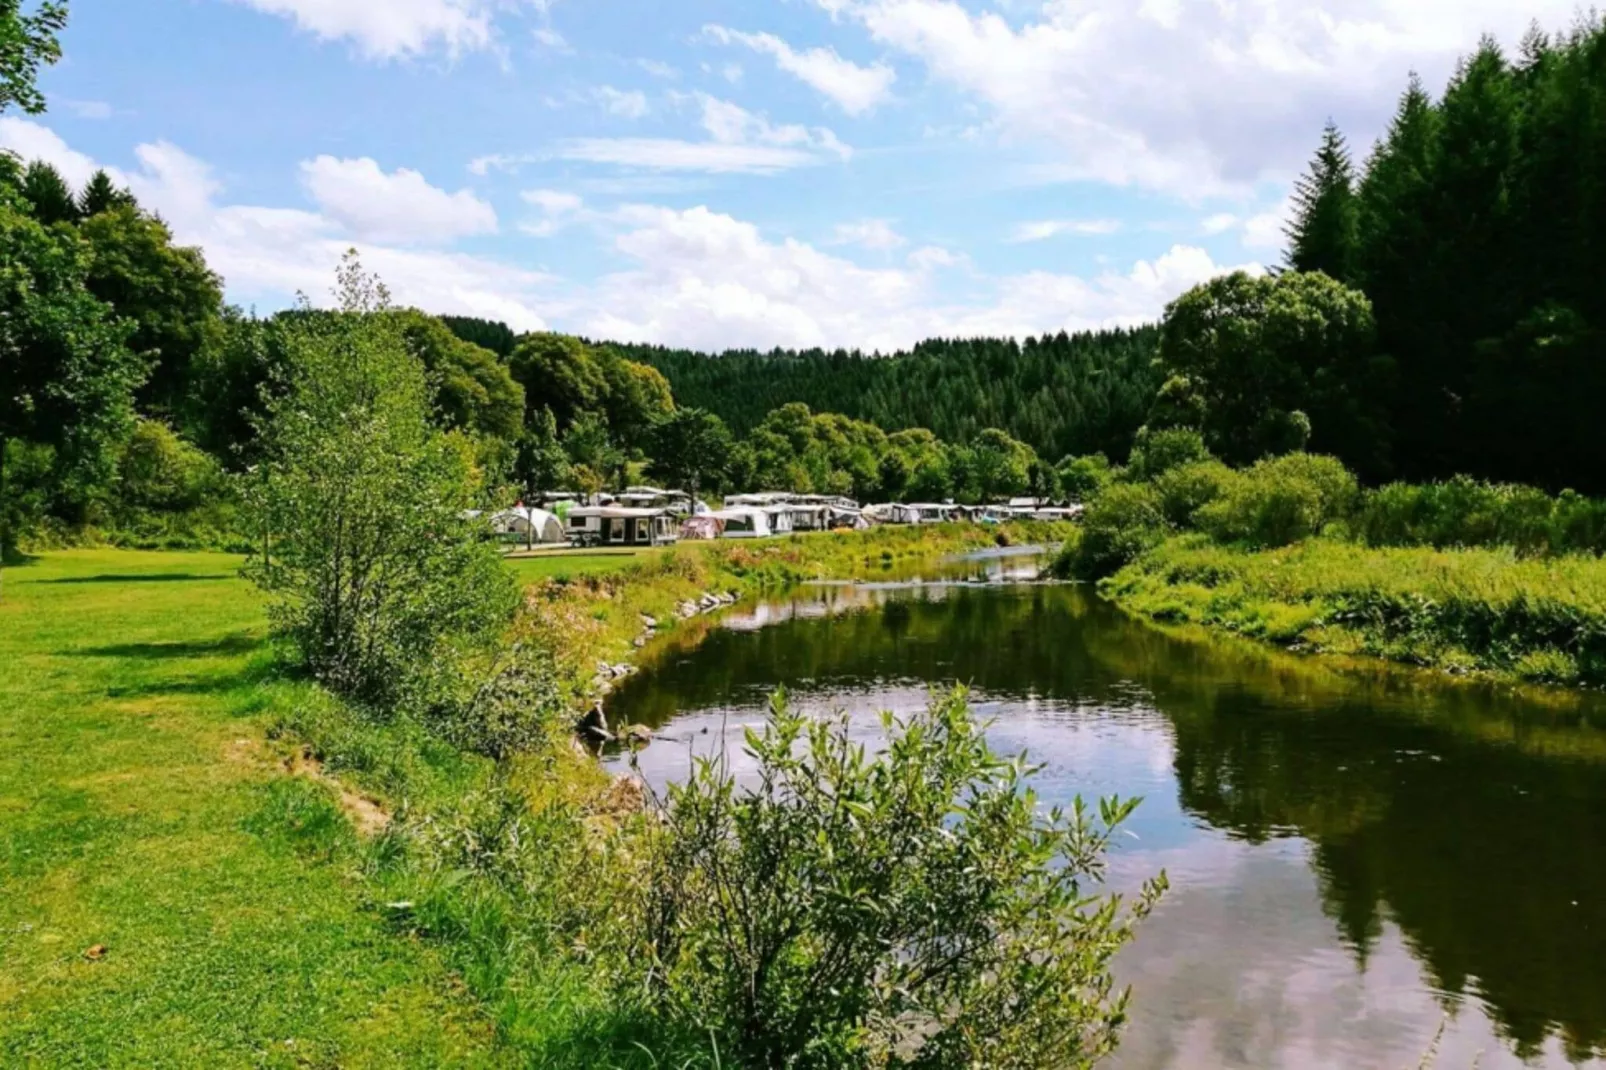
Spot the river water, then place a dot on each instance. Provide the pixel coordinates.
(1361, 856)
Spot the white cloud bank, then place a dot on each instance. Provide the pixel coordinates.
(694, 277)
(1189, 98)
(397, 208)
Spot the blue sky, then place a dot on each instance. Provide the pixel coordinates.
(715, 173)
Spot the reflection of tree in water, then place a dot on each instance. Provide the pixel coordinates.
(1472, 819)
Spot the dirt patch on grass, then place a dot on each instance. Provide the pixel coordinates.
(367, 813)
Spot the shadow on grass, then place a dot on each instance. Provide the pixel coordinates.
(169, 577)
(188, 686)
(229, 644)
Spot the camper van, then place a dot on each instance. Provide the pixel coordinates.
(611, 525)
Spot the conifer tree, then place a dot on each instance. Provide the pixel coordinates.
(101, 194)
(1323, 234)
(50, 199)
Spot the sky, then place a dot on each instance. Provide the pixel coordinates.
(719, 174)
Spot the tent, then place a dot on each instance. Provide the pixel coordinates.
(702, 527)
(528, 524)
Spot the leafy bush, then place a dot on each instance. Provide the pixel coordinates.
(1082, 478)
(1158, 452)
(1120, 524)
(1186, 489)
(159, 470)
(1468, 512)
(521, 707)
(1281, 501)
(381, 581)
(911, 909)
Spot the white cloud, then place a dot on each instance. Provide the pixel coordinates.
(1267, 230)
(739, 142)
(630, 105)
(1227, 95)
(694, 277)
(931, 257)
(266, 254)
(874, 234)
(1219, 223)
(31, 141)
(707, 280)
(393, 29)
(1042, 230)
(658, 69)
(400, 207)
(547, 36)
(558, 209)
(853, 88)
(668, 154)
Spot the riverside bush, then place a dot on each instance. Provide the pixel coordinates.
(1469, 512)
(1121, 523)
(379, 578)
(913, 909)
(1280, 501)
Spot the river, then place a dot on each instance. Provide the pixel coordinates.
(1360, 855)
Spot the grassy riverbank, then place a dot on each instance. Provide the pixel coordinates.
(191, 867)
(599, 615)
(1470, 610)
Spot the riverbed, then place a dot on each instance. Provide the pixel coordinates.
(1362, 857)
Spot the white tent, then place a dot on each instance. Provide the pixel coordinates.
(530, 524)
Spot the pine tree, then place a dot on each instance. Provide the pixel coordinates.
(1323, 234)
(101, 194)
(50, 199)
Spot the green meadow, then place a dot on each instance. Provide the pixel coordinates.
(168, 895)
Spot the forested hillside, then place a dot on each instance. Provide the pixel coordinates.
(1061, 394)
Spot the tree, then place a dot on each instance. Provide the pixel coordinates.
(27, 42)
(165, 290)
(1271, 359)
(541, 465)
(691, 449)
(560, 373)
(1323, 235)
(1003, 466)
(474, 391)
(377, 575)
(637, 399)
(101, 194)
(66, 376)
(50, 200)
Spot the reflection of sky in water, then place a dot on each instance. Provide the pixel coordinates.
(1240, 966)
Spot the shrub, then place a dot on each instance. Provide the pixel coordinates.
(380, 579)
(1281, 501)
(521, 707)
(1120, 524)
(1158, 452)
(1082, 478)
(914, 909)
(1186, 489)
(159, 470)
(1467, 512)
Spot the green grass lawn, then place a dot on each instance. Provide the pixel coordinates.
(563, 564)
(140, 810)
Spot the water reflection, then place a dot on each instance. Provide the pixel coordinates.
(1355, 853)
